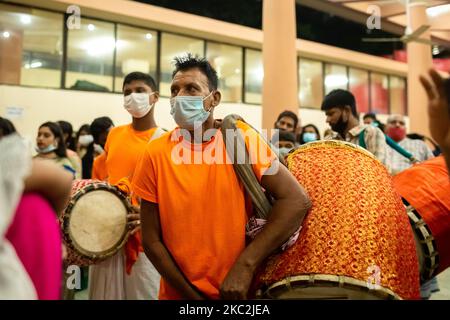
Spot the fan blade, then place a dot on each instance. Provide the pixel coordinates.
(416, 33)
(381, 39)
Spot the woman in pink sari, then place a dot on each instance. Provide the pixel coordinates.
(35, 233)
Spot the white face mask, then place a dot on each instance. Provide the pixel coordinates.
(47, 149)
(137, 104)
(85, 140)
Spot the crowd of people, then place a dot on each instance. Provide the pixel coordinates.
(187, 226)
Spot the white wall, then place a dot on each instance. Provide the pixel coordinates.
(37, 105)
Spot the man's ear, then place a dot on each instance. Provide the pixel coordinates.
(154, 97)
(217, 96)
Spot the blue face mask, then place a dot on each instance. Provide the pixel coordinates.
(309, 136)
(374, 124)
(188, 111)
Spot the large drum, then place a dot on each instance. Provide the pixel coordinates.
(425, 189)
(356, 241)
(94, 223)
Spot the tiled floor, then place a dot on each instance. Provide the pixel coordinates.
(444, 286)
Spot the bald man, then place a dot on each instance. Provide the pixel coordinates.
(396, 130)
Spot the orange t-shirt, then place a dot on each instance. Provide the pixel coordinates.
(99, 171)
(123, 148)
(201, 204)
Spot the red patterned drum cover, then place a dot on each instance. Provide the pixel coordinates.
(356, 241)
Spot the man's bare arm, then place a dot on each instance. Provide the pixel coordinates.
(287, 214)
(158, 254)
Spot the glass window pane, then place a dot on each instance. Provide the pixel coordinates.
(379, 95)
(173, 46)
(311, 83)
(335, 77)
(227, 60)
(359, 86)
(30, 47)
(254, 74)
(397, 96)
(90, 52)
(136, 51)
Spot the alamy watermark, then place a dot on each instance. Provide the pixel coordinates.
(73, 21)
(242, 146)
(374, 21)
(74, 280)
(374, 279)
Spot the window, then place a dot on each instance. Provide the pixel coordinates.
(30, 47)
(359, 86)
(335, 77)
(254, 74)
(227, 61)
(136, 51)
(379, 94)
(90, 53)
(311, 83)
(397, 96)
(173, 46)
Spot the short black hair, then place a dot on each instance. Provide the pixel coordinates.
(57, 132)
(189, 61)
(339, 98)
(286, 136)
(6, 127)
(100, 125)
(370, 115)
(289, 114)
(140, 76)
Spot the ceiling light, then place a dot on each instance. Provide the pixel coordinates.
(436, 50)
(25, 19)
(6, 34)
(148, 36)
(336, 80)
(438, 10)
(91, 27)
(33, 65)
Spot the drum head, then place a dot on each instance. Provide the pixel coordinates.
(98, 223)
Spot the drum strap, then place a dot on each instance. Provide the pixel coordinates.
(234, 141)
(394, 145)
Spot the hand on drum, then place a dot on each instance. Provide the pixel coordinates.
(134, 220)
(236, 283)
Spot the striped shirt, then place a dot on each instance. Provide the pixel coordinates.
(417, 148)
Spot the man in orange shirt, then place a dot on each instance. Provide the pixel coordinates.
(193, 212)
(129, 275)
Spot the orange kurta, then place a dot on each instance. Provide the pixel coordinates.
(123, 148)
(201, 205)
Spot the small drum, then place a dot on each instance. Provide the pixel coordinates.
(425, 189)
(94, 223)
(356, 241)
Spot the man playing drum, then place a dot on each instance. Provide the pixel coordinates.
(132, 276)
(194, 214)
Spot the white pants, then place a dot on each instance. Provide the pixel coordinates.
(108, 279)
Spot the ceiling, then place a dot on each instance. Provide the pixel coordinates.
(393, 11)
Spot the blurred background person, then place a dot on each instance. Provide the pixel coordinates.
(69, 141)
(371, 118)
(396, 130)
(287, 121)
(50, 146)
(100, 128)
(6, 127)
(309, 133)
(435, 148)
